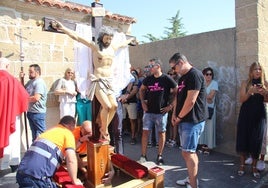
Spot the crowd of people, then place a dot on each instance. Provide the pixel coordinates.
(177, 109)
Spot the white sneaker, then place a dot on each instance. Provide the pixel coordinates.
(186, 182)
(260, 165)
(143, 159)
(248, 161)
(183, 182)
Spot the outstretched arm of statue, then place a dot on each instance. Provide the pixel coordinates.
(60, 27)
(125, 43)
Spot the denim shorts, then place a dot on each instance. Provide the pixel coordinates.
(189, 135)
(157, 120)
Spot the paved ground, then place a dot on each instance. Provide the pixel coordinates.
(215, 170)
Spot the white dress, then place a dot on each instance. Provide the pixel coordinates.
(208, 136)
(67, 102)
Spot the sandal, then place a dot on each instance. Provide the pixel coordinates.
(256, 174)
(241, 170)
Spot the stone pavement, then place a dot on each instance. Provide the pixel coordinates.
(215, 170)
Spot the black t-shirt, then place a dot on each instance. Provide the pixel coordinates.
(158, 91)
(135, 82)
(192, 80)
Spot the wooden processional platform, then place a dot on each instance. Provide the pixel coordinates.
(99, 154)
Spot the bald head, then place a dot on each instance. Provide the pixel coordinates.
(87, 128)
(4, 63)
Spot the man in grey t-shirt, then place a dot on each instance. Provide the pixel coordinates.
(37, 90)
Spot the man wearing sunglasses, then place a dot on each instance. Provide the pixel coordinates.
(157, 88)
(189, 113)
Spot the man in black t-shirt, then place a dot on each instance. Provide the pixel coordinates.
(158, 88)
(190, 113)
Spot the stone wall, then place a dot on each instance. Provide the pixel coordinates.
(52, 51)
(215, 49)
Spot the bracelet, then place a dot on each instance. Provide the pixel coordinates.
(179, 117)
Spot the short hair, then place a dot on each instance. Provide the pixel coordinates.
(156, 60)
(205, 70)
(67, 71)
(36, 67)
(178, 56)
(67, 120)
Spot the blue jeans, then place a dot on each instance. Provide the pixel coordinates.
(26, 181)
(157, 120)
(37, 123)
(189, 135)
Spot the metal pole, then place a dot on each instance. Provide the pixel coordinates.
(22, 82)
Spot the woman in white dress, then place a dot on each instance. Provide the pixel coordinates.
(208, 137)
(66, 89)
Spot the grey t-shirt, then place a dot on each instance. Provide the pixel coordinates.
(37, 86)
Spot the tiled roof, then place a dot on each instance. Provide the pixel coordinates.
(80, 8)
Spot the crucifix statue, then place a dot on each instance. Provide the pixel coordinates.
(102, 54)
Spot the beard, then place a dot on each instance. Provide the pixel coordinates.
(106, 45)
(31, 77)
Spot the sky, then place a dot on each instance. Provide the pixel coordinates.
(152, 16)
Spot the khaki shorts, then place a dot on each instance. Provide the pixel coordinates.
(130, 109)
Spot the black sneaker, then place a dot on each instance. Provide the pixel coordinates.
(159, 160)
(133, 141)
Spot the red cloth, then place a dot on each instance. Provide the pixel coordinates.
(62, 177)
(13, 101)
(132, 167)
(136, 169)
(119, 160)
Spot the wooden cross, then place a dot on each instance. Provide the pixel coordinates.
(96, 23)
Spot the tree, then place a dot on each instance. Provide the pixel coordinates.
(150, 37)
(176, 29)
(171, 32)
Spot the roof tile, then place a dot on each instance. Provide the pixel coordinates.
(80, 8)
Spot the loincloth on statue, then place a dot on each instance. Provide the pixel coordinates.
(103, 83)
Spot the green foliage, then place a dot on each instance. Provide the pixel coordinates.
(175, 31)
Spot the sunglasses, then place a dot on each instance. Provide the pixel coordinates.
(209, 74)
(152, 65)
(174, 67)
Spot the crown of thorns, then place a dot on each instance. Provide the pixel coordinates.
(106, 30)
